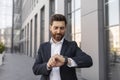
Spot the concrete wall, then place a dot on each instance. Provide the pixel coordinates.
(92, 38)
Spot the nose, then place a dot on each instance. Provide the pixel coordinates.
(58, 30)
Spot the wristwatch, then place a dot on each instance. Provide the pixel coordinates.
(66, 60)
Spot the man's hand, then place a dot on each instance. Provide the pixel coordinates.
(56, 61)
(59, 60)
(51, 63)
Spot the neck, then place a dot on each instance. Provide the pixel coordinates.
(54, 40)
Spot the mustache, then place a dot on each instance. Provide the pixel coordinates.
(58, 34)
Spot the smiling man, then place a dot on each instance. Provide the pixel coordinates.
(58, 58)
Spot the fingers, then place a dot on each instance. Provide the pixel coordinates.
(59, 58)
(56, 61)
(51, 63)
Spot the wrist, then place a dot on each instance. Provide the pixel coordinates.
(49, 67)
(66, 60)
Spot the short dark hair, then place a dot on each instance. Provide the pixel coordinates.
(58, 17)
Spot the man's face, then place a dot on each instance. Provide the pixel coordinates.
(57, 30)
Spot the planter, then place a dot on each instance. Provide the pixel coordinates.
(1, 58)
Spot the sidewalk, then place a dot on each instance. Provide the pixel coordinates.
(17, 67)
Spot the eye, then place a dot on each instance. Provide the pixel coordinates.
(62, 28)
(55, 27)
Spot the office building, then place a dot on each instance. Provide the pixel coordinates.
(93, 24)
(7, 37)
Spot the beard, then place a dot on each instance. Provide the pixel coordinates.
(57, 36)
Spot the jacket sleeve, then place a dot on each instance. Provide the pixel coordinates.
(81, 58)
(40, 67)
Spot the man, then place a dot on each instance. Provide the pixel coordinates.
(58, 58)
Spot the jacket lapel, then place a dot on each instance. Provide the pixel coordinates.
(64, 47)
(48, 50)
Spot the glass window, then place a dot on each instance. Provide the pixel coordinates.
(69, 7)
(112, 12)
(74, 14)
(73, 27)
(27, 38)
(77, 4)
(35, 35)
(72, 5)
(112, 17)
(78, 38)
(52, 7)
(114, 38)
(27, 31)
(31, 24)
(52, 10)
(73, 23)
(42, 25)
(114, 53)
(77, 21)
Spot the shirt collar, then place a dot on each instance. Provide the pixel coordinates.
(60, 42)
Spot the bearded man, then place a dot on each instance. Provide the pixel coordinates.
(58, 58)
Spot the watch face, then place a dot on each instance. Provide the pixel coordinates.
(66, 60)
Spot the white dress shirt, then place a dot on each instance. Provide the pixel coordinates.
(55, 49)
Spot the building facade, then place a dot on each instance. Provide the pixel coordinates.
(5, 38)
(112, 29)
(2, 39)
(93, 24)
(16, 26)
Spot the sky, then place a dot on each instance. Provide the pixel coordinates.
(5, 13)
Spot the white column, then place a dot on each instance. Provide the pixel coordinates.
(92, 38)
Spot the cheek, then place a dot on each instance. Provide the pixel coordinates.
(52, 32)
(50, 29)
(63, 32)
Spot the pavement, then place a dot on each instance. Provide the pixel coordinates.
(17, 67)
(115, 71)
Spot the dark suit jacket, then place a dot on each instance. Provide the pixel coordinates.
(69, 49)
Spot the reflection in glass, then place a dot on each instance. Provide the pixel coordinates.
(77, 21)
(73, 5)
(112, 17)
(52, 5)
(73, 27)
(69, 7)
(78, 38)
(77, 4)
(114, 39)
(114, 53)
(35, 35)
(42, 24)
(73, 22)
(74, 13)
(112, 11)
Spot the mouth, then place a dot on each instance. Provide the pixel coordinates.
(58, 35)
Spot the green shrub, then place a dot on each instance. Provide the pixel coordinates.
(2, 47)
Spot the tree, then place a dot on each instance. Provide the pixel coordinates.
(2, 47)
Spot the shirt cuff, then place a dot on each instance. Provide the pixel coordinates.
(72, 63)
